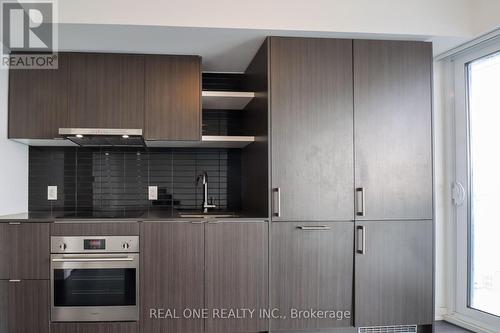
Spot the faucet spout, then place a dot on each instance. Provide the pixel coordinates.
(203, 178)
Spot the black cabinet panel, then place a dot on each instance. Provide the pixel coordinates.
(106, 90)
(173, 98)
(311, 268)
(124, 327)
(172, 275)
(394, 278)
(392, 117)
(30, 251)
(24, 251)
(312, 128)
(4, 306)
(4, 251)
(236, 274)
(29, 306)
(38, 101)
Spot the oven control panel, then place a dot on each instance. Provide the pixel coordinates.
(94, 244)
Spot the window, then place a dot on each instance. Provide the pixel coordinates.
(476, 90)
(483, 90)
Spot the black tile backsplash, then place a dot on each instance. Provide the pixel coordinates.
(224, 122)
(117, 179)
(223, 81)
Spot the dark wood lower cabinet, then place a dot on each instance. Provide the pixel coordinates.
(311, 269)
(126, 327)
(4, 251)
(30, 251)
(4, 306)
(393, 278)
(24, 251)
(28, 306)
(94, 229)
(172, 276)
(236, 276)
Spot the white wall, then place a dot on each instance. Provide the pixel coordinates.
(13, 161)
(415, 17)
(485, 16)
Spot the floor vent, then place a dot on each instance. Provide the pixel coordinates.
(389, 329)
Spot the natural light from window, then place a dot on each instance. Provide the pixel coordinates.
(484, 117)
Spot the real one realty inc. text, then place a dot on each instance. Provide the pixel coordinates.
(247, 313)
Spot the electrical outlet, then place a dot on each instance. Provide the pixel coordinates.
(51, 192)
(153, 192)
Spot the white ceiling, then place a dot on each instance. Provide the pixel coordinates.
(222, 49)
(227, 33)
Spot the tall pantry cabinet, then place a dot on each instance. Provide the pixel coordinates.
(351, 144)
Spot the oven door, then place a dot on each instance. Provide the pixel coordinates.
(95, 287)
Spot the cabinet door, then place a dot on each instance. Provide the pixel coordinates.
(172, 275)
(106, 91)
(30, 251)
(4, 306)
(38, 101)
(393, 277)
(392, 117)
(173, 98)
(94, 229)
(236, 274)
(4, 251)
(123, 327)
(29, 306)
(311, 129)
(312, 268)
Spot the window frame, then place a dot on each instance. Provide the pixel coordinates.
(459, 258)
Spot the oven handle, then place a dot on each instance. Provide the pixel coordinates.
(91, 259)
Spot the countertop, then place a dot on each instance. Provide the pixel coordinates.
(59, 216)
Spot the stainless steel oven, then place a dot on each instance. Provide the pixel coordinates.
(95, 278)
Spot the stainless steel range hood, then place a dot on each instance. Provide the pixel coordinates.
(108, 137)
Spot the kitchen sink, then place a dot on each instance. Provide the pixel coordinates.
(207, 215)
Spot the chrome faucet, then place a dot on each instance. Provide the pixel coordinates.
(204, 178)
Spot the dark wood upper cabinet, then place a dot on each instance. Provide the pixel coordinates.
(38, 101)
(311, 268)
(173, 98)
(156, 93)
(392, 117)
(172, 275)
(29, 251)
(236, 274)
(28, 306)
(311, 128)
(394, 277)
(106, 91)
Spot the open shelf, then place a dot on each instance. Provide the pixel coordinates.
(207, 141)
(226, 100)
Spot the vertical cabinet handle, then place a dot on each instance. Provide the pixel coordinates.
(361, 239)
(360, 201)
(277, 202)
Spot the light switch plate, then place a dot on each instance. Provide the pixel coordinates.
(51, 192)
(153, 192)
